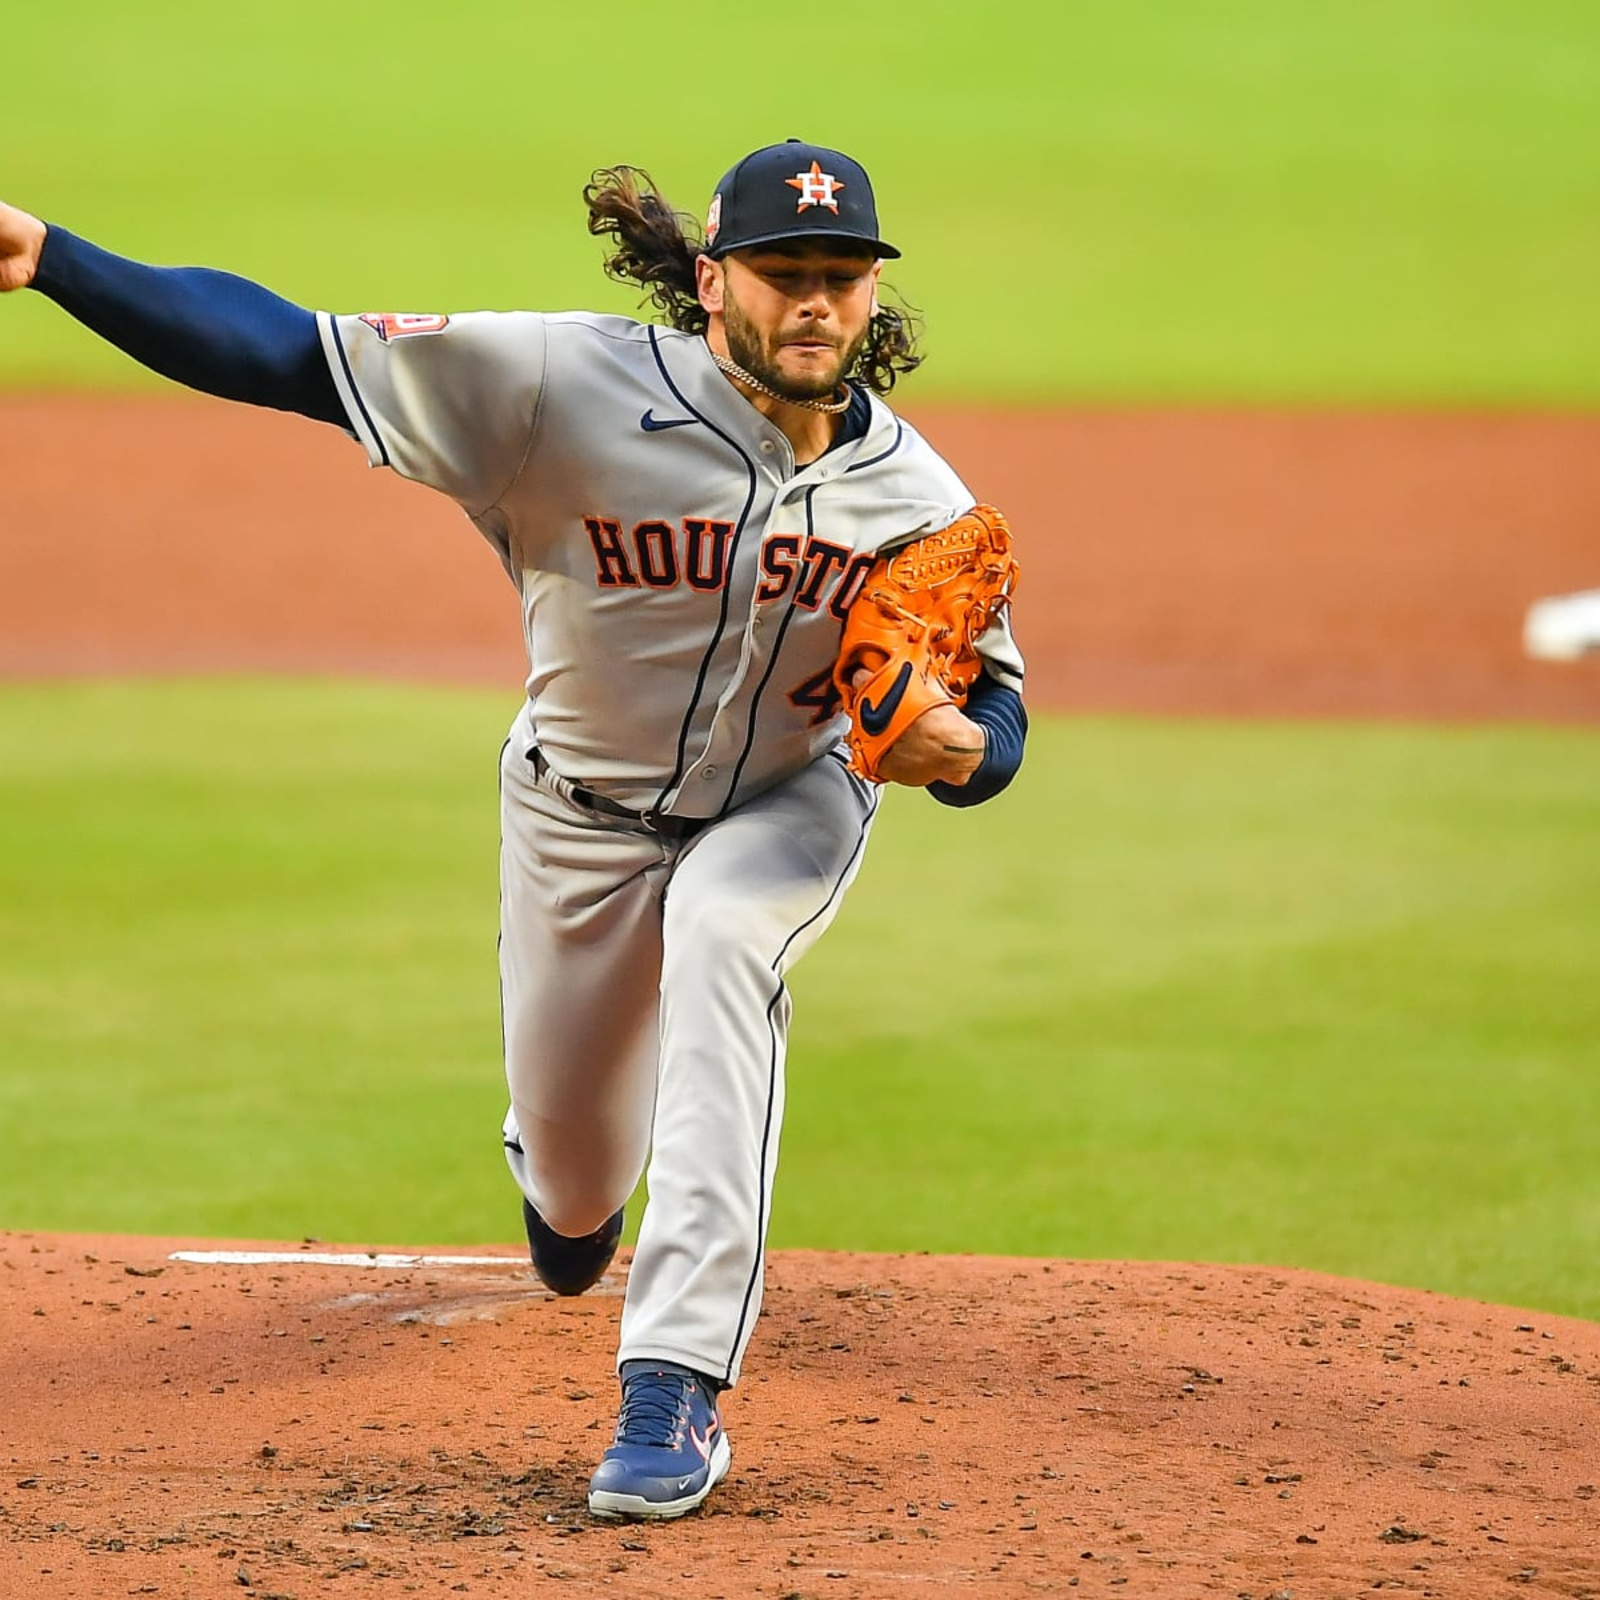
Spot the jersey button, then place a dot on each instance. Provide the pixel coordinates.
(767, 447)
(708, 772)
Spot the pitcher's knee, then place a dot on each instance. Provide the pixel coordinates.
(575, 1185)
(576, 1219)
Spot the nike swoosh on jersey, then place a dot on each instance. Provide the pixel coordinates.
(876, 718)
(651, 423)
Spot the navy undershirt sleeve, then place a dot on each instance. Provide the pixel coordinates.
(210, 330)
(999, 712)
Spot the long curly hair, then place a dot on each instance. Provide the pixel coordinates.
(655, 249)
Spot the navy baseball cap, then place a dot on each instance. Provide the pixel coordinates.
(793, 190)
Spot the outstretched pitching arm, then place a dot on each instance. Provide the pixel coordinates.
(212, 331)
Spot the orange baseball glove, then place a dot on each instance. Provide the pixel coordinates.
(921, 610)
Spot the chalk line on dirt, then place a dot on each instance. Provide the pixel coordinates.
(302, 1258)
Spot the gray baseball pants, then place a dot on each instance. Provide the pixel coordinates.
(646, 1018)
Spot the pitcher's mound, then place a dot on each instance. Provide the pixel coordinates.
(907, 1425)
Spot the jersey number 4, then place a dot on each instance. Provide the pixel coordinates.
(818, 696)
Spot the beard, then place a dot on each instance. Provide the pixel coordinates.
(759, 357)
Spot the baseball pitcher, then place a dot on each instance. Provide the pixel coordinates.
(751, 594)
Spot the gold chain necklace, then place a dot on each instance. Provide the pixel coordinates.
(829, 408)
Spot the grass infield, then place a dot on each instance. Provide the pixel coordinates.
(1313, 995)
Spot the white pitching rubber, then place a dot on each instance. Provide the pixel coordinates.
(303, 1258)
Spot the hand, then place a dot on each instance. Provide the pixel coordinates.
(943, 745)
(21, 242)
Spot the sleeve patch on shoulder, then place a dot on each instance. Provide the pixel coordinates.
(391, 325)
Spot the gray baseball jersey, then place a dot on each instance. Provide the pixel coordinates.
(683, 586)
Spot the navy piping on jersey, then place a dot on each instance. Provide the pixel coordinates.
(899, 434)
(500, 919)
(350, 381)
(772, 664)
(763, 1199)
(727, 589)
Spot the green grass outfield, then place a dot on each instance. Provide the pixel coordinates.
(1314, 995)
(1359, 201)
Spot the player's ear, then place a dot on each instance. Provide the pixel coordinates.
(708, 284)
(877, 272)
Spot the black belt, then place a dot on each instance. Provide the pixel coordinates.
(676, 829)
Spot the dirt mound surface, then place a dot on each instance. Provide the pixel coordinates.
(908, 1424)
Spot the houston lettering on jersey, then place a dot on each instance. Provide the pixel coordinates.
(654, 554)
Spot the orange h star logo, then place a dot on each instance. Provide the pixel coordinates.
(817, 188)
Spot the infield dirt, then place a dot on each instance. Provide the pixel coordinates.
(1236, 562)
(910, 1424)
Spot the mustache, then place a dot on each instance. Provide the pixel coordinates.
(805, 336)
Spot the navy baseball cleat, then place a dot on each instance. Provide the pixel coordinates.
(670, 1451)
(569, 1266)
